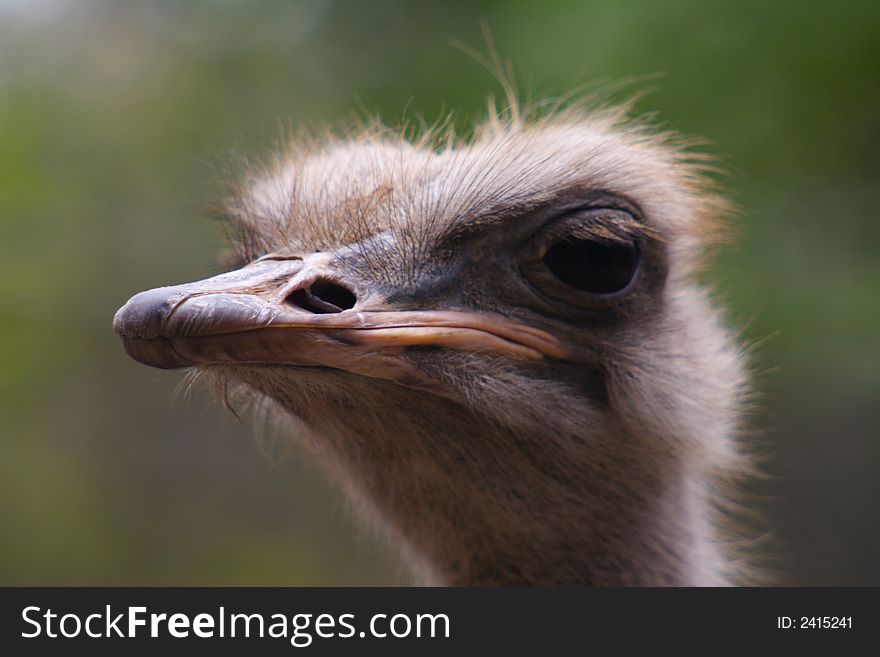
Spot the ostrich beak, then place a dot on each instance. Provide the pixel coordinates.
(267, 313)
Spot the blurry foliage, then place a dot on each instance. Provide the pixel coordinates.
(115, 122)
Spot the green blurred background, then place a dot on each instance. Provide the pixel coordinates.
(114, 117)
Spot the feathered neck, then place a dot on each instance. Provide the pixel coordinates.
(472, 502)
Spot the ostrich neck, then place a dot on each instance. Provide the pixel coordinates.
(476, 504)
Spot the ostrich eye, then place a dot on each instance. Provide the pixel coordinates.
(594, 266)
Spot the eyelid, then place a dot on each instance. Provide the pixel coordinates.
(609, 224)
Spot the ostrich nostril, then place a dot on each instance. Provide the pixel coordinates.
(333, 293)
(322, 297)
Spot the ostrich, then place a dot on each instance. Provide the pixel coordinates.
(498, 345)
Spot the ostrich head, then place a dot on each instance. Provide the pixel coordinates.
(498, 345)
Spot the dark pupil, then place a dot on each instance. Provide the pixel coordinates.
(597, 267)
